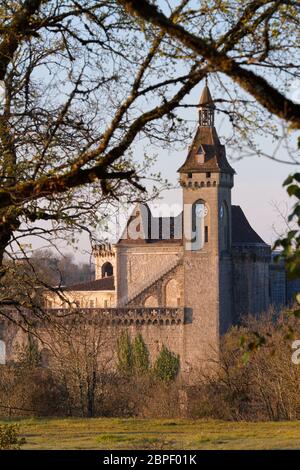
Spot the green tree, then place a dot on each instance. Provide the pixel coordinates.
(140, 355)
(166, 366)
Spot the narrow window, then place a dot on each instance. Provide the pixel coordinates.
(105, 304)
(208, 174)
(171, 227)
(206, 234)
(190, 175)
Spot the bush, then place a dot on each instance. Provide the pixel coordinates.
(253, 383)
(30, 391)
(9, 439)
(140, 355)
(166, 366)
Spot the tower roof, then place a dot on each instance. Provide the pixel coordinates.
(206, 154)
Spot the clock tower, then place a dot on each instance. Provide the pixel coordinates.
(206, 178)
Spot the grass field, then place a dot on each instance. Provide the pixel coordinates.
(102, 433)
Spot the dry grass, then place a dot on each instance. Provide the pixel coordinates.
(102, 433)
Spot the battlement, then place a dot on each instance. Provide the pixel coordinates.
(105, 260)
(104, 249)
(124, 316)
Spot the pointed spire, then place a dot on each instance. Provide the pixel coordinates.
(206, 108)
(206, 99)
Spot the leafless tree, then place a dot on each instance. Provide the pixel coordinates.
(85, 81)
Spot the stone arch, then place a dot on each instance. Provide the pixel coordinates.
(107, 269)
(151, 301)
(2, 352)
(172, 292)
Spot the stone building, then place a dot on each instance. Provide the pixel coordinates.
(184, 280)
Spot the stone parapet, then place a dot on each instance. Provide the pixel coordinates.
(124, 316)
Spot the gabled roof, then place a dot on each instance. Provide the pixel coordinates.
(242, 232)
(106, 283)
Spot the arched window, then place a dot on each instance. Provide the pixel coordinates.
(224, 227)
(198, 236)
(2, 353)
(172, 293)
(107, 269)
(151, 301)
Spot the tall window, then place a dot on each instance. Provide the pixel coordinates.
(198, 236)
(224, 227)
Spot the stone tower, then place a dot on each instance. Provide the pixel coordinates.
(207, 179)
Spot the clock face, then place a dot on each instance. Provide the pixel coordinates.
(221, 212)
(201, 210)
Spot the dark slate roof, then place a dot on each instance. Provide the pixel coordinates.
(242, 232)
(106, 283)
(150, 229)
(206, 153)
(162, 230)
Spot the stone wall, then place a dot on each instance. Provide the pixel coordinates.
(167, 291)
(158, 327)
(138, 267)
(82, 299)
(250, 280)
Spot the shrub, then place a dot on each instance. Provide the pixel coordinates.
(166, 366)
(140, 355)
(9, 439)
(253, 384)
